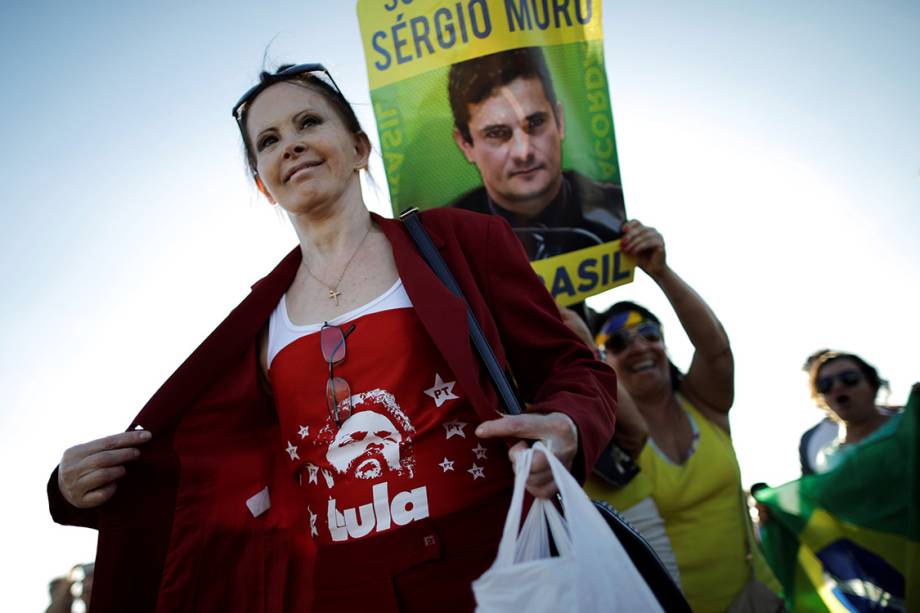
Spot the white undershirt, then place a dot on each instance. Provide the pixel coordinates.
(282, 332)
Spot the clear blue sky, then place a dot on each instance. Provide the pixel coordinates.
(776, 145)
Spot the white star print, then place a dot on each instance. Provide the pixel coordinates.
(328, 477)
(480, 452)
(446, 465)
(454, 428)
(477, 471)
(441, 391)
(303, 432)
(313, 470)
(313, 530)
(292, 451)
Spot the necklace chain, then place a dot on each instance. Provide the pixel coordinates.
(333, 290)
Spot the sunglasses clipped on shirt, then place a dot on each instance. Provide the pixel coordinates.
(338, 392)
(623, 338)
(317, 71)
(849, 378)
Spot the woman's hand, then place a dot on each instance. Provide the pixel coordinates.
(556, 430)
(87, 473)
(647, 245)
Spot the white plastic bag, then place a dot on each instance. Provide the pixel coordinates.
(591, 573)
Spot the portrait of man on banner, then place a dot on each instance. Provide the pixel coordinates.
(504, 110)
(510, 125)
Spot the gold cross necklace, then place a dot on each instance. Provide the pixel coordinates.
(333, 290)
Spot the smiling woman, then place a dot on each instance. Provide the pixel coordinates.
(335, 421)
(686, 497)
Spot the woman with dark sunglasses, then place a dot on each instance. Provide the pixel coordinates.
(686, 497)
(846, 386)
(337, 421)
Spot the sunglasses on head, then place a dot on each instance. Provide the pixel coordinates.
(849, 378)
(317, 71)
(623, 338)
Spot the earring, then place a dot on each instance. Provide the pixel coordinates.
(261, 187)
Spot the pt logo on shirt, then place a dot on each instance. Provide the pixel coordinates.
(441, 391)
(379, 514)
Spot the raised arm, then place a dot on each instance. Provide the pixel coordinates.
(710, 380)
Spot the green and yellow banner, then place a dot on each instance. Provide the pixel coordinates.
(849, 539)
(503, 107)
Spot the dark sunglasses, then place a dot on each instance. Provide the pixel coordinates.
(317, 71)
(623, 338)
(849, 378)
(338, 392)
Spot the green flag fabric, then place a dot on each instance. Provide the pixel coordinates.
(849, 539)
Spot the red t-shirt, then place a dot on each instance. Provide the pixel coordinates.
(408, 450)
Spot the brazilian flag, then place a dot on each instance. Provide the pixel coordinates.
(849, 539)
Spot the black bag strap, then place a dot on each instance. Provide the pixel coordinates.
(639, 551)
(422, 240)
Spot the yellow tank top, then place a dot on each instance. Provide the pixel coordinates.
(700, 502)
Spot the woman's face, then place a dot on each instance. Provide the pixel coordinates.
(305, 156)
(848, 393)
(641, 366)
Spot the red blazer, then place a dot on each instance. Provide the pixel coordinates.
(177, 536)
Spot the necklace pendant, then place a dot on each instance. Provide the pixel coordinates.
(334, 295)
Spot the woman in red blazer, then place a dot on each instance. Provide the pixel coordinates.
(334, 443)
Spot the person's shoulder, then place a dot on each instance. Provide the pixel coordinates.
(473, 233)
(823, 426)
(893, 419)
(890, 409)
